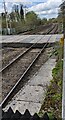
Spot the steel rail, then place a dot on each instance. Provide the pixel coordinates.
(54, 29)
(20, 55)
(25, 72)
(50, 29)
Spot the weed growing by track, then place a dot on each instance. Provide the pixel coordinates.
(53, 100)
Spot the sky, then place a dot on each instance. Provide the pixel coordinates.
(43, 8)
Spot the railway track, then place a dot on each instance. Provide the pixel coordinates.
(17, 69)
(54, 30)
(8, 54)
(16, 58)
(49, 30)
(37, 30)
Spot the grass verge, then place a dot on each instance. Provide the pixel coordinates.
(52, 103)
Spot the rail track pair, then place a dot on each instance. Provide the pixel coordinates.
(25, 71)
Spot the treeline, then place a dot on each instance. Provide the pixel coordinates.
(16, 14)
(23, 21)
(62, 15)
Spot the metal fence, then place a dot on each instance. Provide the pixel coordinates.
(8, 31)
(10, 115)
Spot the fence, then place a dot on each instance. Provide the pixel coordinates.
(10, 115)
(8, 31)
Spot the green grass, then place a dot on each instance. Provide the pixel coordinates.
(53, 100)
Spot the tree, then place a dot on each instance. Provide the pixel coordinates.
(32, 18)
(21, 12)
(15, 12)
(44, 21)
(12, 16)
(62, 13)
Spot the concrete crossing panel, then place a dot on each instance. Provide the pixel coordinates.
(44, 39)
(31, 38)
(37, 39)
